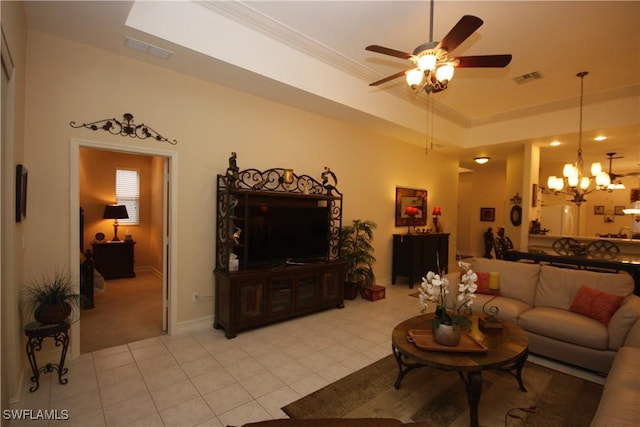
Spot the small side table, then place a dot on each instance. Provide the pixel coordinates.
(36, 332)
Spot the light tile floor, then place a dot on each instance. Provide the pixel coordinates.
(204, 379)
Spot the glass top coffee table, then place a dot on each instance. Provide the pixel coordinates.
(501, 349)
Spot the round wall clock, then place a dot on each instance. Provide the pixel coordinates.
(99, 237)
(516, 215)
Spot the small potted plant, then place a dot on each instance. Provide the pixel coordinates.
(50, 299)
(357, 251)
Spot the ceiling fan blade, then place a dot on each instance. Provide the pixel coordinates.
(386, 79)
(497, 61)
(388, 51)
(460, 32)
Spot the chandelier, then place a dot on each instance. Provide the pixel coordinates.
(573, 182)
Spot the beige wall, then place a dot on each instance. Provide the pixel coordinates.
(72, 82)
(485, 188)
(12, 255)
(97, 189)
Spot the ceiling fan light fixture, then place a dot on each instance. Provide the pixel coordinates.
(616, 186)
(414, 77)
(481, 160)
(427, 61)
(444, 73)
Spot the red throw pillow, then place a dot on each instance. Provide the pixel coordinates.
(596, 304)
(483, 283)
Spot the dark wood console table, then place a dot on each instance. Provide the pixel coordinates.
(416, 254)
(621, 263)
(247, 299)
(114, 260)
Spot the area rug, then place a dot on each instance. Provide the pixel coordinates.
(440, 397)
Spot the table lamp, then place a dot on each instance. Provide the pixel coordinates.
(489, 320)
(436, 213)
(115, 212)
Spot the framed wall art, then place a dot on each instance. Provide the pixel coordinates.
(411, 207)
(488, 214)
(21, 193)
(618, 210)
(598, 210)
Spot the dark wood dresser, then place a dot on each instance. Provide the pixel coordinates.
(416, 254)
(114, 260)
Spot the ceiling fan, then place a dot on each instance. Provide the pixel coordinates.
(614, 176)
(432, 67)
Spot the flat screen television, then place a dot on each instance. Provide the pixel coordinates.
(280, 233)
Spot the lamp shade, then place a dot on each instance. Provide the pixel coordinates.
(437, 211)
(115, 212)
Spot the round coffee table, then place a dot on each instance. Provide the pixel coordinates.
(506, 349)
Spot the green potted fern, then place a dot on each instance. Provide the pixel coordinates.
(356, 250)
(51, 299)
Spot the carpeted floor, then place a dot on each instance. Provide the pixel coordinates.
(128, 310)
(440, 398)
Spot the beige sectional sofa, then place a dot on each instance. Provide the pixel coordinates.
(539, 298)
(620, 402)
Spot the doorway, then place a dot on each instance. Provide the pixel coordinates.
(153, 275)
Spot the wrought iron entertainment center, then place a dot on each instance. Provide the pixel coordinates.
(264, 271)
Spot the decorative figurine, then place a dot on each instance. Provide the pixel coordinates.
(236, 235)
(488, 243)
(232, 170)
(325, 180)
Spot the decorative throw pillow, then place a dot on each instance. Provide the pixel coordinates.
(483, 283)
(595, 304)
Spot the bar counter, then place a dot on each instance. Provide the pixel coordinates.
(543, 242)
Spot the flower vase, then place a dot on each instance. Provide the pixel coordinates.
(448, 335)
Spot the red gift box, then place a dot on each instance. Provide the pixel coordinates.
(372, 292)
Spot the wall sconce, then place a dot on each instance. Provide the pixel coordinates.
(436, 213)
(115, 212)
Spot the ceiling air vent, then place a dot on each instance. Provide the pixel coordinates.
(147, 48)
(529, 77)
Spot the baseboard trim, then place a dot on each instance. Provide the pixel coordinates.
(195, 325)
(149, 269)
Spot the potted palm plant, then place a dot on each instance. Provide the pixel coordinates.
(50, 299)
(357, 251)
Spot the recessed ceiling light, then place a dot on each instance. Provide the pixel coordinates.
(600, 138)
(481, 160)
(555, 143)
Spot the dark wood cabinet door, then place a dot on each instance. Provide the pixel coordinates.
(247, 299)
(114, 260)
(416, 254)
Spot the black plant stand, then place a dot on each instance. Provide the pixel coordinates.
(36, 332)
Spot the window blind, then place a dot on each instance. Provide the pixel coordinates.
(128, 193)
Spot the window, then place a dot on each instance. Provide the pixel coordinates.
(128, 193)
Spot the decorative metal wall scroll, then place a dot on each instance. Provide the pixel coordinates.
(125, 128)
